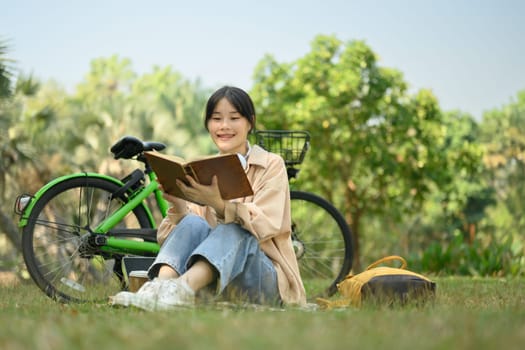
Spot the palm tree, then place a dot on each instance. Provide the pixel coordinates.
(16, 163)
(6, 223)
(5, 71)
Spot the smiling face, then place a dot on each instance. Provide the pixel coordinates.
(228, 128)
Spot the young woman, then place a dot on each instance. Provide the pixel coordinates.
(240, 249)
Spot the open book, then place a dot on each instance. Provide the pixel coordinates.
(231, 176)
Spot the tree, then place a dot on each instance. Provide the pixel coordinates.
(99, 112)
(20, 120)
(503, 136)
(6, 152)
(6, 73)
(458, 204)
(114, 101)
(173, 109)
(465, 197)
(45, 132)
(376, 151)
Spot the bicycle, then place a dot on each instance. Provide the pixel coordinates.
(78, 228)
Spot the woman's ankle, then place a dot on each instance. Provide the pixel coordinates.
(167, 272)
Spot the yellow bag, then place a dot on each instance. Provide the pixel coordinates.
(383, 284)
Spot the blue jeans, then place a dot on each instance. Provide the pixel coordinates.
(244, 270)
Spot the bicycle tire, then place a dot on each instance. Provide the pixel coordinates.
(53, 240)
(323, 243)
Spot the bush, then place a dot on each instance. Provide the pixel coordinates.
(493, 258)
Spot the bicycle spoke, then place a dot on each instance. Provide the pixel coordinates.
(59, 226)
(56, 243)
(321, 263)
(321, 239)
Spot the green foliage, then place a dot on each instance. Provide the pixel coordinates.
(503, 135)
(411, 179)
(173, 109)
(376, 150)
(113, 102)
(496, 257)
(6, 71)
(46, 132)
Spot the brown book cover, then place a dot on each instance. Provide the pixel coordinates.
(231, 176)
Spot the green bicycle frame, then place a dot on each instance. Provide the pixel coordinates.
(138, 199)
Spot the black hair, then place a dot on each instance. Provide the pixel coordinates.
(238, 98)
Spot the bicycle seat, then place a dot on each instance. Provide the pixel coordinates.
(129, 146)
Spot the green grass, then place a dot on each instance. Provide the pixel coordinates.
(468, 313)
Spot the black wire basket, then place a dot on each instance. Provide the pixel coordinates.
(290, 145)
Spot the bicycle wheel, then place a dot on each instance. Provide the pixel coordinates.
(58, 253)
(322, 242)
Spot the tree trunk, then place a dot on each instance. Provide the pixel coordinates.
(472, 232)
(353, 223)
(352, 216)
(8, 227)
(356, 264)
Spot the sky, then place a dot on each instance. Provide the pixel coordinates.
(470, 53)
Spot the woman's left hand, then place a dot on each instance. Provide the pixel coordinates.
(203, 194)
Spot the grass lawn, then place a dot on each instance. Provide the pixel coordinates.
(468, 313)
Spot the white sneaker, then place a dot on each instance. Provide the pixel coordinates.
(174, 293)
(159, 294)
(151, 288)
(122, 298)
(145, 298)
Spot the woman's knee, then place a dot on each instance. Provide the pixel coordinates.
(193, 220)
(235, 231)
(192, 223)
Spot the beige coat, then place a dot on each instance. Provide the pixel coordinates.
(266, 215)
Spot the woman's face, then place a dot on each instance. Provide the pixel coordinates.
(228, 128)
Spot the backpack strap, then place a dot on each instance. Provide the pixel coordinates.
(388, 258)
